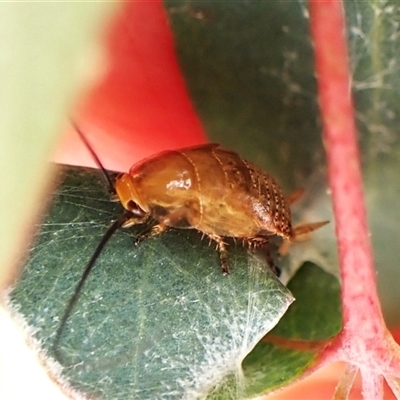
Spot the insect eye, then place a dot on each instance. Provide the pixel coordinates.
(131, 205)
(135, 209)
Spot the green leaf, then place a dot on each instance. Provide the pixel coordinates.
(311, 320)
(373, 34)
(157, 319)
(249, 67)
(250, 71)
(316, 314)
(160, 320)
(47, 49)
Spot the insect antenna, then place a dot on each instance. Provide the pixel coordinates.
(72, 302)
(106, 176)
(106, 237)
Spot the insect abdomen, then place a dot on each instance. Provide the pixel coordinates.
(239, 198)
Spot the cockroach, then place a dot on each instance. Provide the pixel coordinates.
(204, 187)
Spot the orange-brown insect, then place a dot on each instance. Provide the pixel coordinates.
(203, 187)
(209, 189)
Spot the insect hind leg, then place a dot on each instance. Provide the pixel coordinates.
(263, 244)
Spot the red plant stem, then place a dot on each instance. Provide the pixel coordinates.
(362, 317)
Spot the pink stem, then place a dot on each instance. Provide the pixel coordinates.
(361, 310)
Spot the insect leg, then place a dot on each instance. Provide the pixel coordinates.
(164, 223)
(135, 221)
(284, 247)
(223, 253)
(150, 232)
(264, 244)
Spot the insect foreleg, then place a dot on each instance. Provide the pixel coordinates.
(172, 219)
(135, 221)
(150, 232)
